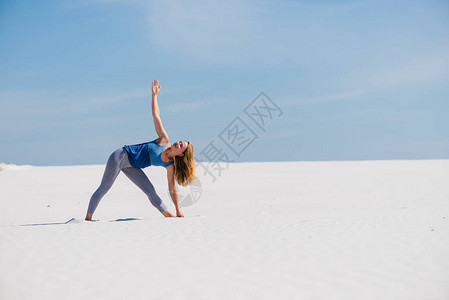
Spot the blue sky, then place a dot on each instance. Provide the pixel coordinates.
(356, 80)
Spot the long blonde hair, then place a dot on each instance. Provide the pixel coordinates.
(185, 167)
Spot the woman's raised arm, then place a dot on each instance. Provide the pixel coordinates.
(163, 136)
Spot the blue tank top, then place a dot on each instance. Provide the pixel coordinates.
(146, 154)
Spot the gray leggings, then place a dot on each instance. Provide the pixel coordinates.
(118, 161)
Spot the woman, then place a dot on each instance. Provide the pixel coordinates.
(176, 158)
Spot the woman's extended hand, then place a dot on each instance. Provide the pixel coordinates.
(155, 87)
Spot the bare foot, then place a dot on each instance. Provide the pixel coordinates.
(88, 217)
(168, 214)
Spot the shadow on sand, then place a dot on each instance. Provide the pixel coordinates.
(73, 220)
(125, 219)
(40, 224)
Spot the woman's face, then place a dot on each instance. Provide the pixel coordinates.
(178, 148)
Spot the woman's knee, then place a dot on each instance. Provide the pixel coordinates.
(117, 158)
(114, 157)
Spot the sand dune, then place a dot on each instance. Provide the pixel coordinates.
(280, 230)
(10, 166)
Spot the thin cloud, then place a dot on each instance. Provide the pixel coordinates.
(426, 67)
(327, 98)
(411, 69)
(119, 97)
(242, 32)
(51, 103)
(199, 29)
(191, 106)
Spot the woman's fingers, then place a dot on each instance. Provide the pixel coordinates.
(155, 86)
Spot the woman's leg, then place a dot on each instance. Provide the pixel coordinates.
(141, 180)
(113, 167)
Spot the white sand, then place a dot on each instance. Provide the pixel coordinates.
(283, 230)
